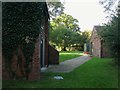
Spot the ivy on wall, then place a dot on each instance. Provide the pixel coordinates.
(21, 25)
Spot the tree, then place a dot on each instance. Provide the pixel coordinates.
(66, 30)
(108, 4)
(55, 8)
(86, 36)
(68, 21)
(111, 34)
(61, 37)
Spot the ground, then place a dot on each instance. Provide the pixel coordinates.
(95, 73)
(68, 65)
(66, 55)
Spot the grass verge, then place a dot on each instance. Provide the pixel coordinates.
(66, 55)
(96, 73)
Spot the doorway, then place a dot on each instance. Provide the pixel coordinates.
(42, 52)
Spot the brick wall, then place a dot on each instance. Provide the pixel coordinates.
(46, 31)
(5, 74)
(53, 55)
(96, 45)
(19, 69)
(35, 71)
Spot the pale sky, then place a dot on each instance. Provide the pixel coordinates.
(87, 12)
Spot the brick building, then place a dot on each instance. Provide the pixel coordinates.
(98, 47)
(43, 55)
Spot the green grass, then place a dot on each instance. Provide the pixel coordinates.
(96, 73)
(66, 55)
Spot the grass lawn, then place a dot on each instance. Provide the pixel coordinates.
(96, 73)
(66, 55)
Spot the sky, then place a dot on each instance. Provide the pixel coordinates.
(87, 12)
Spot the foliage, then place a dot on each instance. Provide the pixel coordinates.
(63, 37)
(67, 55)
(86, 36)
(55, 8)
(66, 30)
(96, 73)
(68, 21)
(111, 34)
(21, 25)
(108, 5)
(68, 38)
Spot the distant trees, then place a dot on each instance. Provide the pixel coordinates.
(68, 21)
(86, 36)
(61, 37)
(65, 32)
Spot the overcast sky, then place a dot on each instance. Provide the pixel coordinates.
(87, 12)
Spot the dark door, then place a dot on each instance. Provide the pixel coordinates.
(42, 52)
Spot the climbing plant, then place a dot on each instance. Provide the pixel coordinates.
(21, 25)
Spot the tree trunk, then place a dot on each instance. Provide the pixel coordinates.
(64, 48)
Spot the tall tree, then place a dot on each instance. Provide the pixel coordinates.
(86, 36)
(110, 32)
(62, 37)
(66, 30)
(68, 21)
(55, 8)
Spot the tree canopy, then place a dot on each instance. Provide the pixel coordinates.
(110, 32)
(55, 8)
(68, 21)
(65, 32)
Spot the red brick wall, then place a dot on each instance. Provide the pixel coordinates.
(5, 74)
(35, 72)
(53, 55)
(46, 31)
(96, 47)
(19, 69)
(96, 44)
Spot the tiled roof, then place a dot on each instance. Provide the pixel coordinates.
(97, 28)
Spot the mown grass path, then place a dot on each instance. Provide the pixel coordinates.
(96, 73)
(67, 55)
